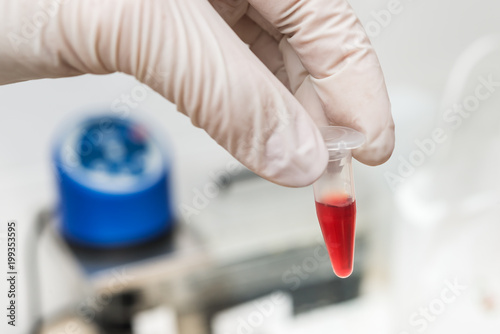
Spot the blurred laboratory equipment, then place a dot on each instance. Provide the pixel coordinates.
(114, 182)
(336, 199)
(447, 232)
(232, 255)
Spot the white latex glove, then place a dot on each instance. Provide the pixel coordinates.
(188, 51)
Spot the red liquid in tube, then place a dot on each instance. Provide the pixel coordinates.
(337, 218)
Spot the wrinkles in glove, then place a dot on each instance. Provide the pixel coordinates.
(259, 76)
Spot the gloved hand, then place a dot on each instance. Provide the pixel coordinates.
(194, 53)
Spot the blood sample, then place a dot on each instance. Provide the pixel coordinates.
(335, 198)
(337, 218)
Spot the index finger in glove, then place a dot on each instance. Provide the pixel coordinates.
(331, 44)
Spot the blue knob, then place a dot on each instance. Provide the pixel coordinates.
(113, 182)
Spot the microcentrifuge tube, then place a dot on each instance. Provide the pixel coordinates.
(335, 197)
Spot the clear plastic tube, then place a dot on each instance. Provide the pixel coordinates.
(335, 197)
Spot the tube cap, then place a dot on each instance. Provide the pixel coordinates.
(341, 137)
